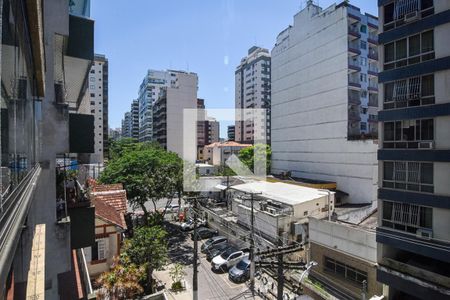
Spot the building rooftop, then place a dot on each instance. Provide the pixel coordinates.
(227, 144)
(109, 213)
(282, 192)
(112, 194)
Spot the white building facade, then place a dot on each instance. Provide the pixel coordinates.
(169, 108)
(323, 113)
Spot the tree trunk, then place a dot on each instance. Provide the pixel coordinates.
(144, 210)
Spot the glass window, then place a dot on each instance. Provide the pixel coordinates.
(426, 173)
(389, 52)
(389, 13)
(427, 41)
(414, 45)
(427, 130)
(388, 170)
(426, 217)
(428, 85)
(400, 49)
(363, 45)
(389, 91)
(389, 130)
(363, 28)
(387, 210)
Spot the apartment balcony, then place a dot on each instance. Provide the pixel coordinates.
(353, 65)
(354, 116)
(373, 54)
(407, 11)
(373, 70)
(353, 49)
(373, 100)
(354, 97)
(373, 38)
(353, 81)
(353, 32)
(373, 119)
(373, 86)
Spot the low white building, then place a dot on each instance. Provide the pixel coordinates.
(281, 210)
(218, 153)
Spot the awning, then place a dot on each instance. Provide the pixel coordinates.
(221, 187)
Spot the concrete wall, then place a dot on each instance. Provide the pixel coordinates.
(183, 96)
(310, 107)
(354, 241)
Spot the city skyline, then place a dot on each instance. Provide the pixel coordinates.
(132, 47)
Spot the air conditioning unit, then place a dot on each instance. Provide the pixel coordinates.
(412, 16)
(426, 234)
(271, 210)
(426, 145)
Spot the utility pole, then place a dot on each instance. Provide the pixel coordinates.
(252, 250)
(280, 279)
(195, 275)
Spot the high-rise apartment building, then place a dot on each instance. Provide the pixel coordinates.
(169, 108)
(231, 132)
(149, 91)
(252, 91)
(413, 231)
(126, 125)
(97, 96)
(134, 133)
(324, 99)
(130, 122)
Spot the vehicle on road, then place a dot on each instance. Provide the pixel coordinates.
(173, 207)
(212, 242)
(204, 233)
(227, 259)
(241, 271)
(189, 224)
(215, 250)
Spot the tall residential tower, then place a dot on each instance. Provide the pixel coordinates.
(413, 231)
(252, 91)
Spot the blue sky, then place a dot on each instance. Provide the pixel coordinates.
(208, 37)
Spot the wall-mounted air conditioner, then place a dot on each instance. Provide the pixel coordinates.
(412, 16)
(424, 234)
(426, 145)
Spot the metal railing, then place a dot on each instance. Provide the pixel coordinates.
(12, 218)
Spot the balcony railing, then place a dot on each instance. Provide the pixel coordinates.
(373, 54)
(354, 115)
(354, 31)
(373, 86)
(373, 38)
(353, 64)
(354, 97)
(86, 281)
(354, 81)
(373, 70)
(354, 48)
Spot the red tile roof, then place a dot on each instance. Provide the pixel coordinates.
(110, 201)
(108, 213)
(107, 187)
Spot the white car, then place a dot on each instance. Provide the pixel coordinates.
(189, 224)
(227, 259)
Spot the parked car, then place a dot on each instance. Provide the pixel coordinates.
(172, 207)
(204, 233)
(215, 250)
(212, 242)
(241, 271)
(227, 259)
(189, 224)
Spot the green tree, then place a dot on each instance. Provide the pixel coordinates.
(249, 154)
(177, 273)
(147, 248)
(121, 282)
(147, 172)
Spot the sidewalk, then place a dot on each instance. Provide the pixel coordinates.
(164, 277)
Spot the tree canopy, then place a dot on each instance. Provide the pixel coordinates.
(147, 172)
(148, 248)
(249, 154)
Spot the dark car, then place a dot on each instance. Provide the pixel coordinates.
(213, 241)
(216, 250)
(204, 233)
(241, 271)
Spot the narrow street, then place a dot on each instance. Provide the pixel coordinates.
(211, 285)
